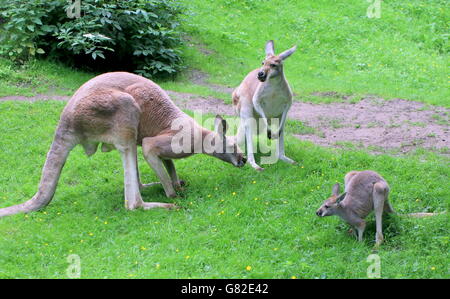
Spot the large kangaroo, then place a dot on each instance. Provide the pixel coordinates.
(123, 110)
(264, 94)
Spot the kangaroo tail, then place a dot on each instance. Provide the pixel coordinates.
(62, 144)
(422, 215)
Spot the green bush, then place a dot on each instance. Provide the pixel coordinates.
(140, 35)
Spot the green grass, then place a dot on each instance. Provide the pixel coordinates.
(187, 87)
(39, 76)
(297, 127)
(231, 218)
(403, 54)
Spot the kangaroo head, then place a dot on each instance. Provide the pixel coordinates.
(230, 151)
(330, 205)
(272, 65)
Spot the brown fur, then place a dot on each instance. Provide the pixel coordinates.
(121, 110)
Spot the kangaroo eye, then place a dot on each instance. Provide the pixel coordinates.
(273, 65)
(326, 206)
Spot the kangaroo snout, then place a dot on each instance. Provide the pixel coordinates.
(319, 213)
(262, 76)
(242, 162)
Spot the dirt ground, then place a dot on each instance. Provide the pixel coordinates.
(376, 123)
(380, 125)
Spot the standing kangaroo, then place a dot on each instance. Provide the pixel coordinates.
(264, 94)
(123, 110)
(365, 191)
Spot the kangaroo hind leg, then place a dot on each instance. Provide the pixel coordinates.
(380, 193)
(124, 115)
(387, 204)
(133, 199)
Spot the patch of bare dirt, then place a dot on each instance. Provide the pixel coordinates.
(379, 124)
(201, 104)
(201, 78)
(202, 48)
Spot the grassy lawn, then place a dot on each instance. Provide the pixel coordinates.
(39, 76)
(239, 223)
(403, 54)
(231, 218)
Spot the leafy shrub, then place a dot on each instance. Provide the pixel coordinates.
(140, 35)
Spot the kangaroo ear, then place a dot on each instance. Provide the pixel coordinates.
(287, 53)
(341, 197)
(270, 48)
(220, 125)
(336, 189)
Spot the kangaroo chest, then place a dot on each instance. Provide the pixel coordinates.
(273, 99)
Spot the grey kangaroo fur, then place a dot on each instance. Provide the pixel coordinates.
(121, 111)
(365, 191)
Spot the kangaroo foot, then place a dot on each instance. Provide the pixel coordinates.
(257, 167)
(288, 160)
(379, 240)
(152, 205)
